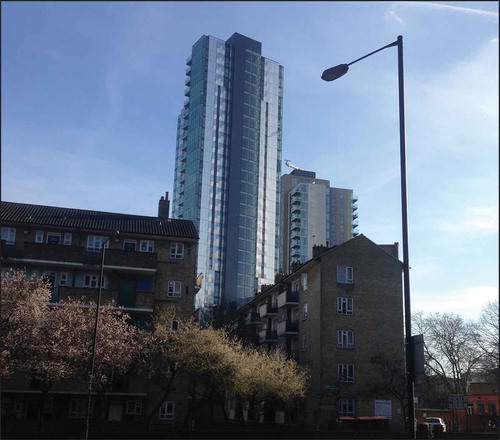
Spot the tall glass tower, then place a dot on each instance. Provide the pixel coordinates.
(228, 166)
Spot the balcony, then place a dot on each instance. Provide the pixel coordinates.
(189, 60)
(268, 310)
(187, 82)
(295, 200)
(187, 91)
(268, 336)
(354, 207)
(354, 215)
(287, 328)
(89, 294)
(252, 318)
(288, 299)
(186, 103)
(61, 255)
(354, 198)
(355, 224)
(188, 70)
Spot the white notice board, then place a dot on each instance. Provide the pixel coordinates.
(383, 408)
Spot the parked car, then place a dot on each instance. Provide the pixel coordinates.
(436, 421)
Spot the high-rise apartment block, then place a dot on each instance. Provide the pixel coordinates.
(313, 213)
(228, 165)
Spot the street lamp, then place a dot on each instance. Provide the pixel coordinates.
(94, 344)
(330, 75)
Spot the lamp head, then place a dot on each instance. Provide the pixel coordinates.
(333, 73)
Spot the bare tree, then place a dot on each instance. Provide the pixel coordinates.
(451, 353)
(487, 337)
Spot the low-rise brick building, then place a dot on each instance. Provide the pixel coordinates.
(334, 314)
(149, 262)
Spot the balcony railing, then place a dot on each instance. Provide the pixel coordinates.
(88, 295)
(268, 310)
(268, 336)
(78, 254)
(141, 300)
(252, 318)
(288, 299)
(287, 328)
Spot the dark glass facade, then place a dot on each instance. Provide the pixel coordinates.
(228, 163)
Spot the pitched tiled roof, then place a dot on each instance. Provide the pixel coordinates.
(104, 221)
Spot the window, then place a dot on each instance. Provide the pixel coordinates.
(53, 237)
(174, 325)
(147, 246)
(347, 407)
(166, 411)
(77, 408)
(64, 279)
(9, 235)
(295, 286)
(345, 372)
(345, 306)
(174, 289)
(134, 407)
(303, 342)
(304, 311)
(345, 275)
(39, 237)
(177, 251)
(91, 281)
(67, 239)
(129, 245)
(345, 338)
(303, 281)
(95, 244)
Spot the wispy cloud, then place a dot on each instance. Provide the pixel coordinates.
(391, 15)
(476, 220)
(457, 9)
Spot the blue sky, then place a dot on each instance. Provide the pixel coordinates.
(91, 92)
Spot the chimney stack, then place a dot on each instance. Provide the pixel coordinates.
(163, 207)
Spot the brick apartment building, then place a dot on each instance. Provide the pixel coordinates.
(333, 315)
(149, 261)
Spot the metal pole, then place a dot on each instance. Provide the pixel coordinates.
(406, 265)
(96, 323)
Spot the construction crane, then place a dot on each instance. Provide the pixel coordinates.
(291, 165)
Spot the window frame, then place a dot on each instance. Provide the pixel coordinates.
(345, 373)
(97, 248)
(175, 253)
(53, 234)
(345, 339)
(10, 235)
(345, 306)
(92, 276)
(136, 410)
(303, 281)
(64, 275)
(345, 275)
(304, 342)
(150, 245)
(128, 241)
(67, 239)
(164, 413)
(347, 407)
(173, 293)
(39, 236)
(305, 311)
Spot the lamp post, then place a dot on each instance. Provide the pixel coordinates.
(94, 344)
(332, 74)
